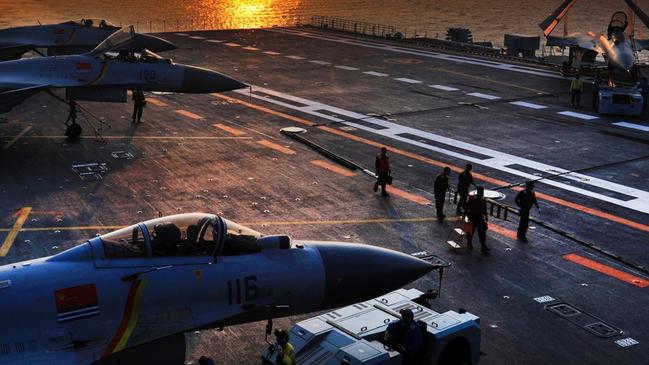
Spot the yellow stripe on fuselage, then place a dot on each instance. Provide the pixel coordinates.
(134, 316)
(102, 73)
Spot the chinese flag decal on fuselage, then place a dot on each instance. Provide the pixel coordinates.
(76, 302)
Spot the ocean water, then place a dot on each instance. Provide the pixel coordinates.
(488, 20)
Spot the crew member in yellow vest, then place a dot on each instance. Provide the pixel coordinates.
(576, 87)
(286, 354)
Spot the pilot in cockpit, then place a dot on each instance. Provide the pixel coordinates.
(87, 23)
(102, 24)
(165, 239)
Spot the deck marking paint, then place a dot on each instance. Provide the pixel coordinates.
(182, 34)
(231, 44)
(318, 62)
(568, 113)
(156, 102)
(348, 68)
(189, 114)
(407, 80)
(485, 178)
(276, 147)
(333, 168)
(272, 53)
(639, 127)
(484, 96)
(525, 104)
(214, 41)
(443, 87)
(229, 129)
(296, 57)
(11, 237)
(409, 196)
(16, 138)
(197, 37)
(503, 231)
(499, 160)
(428, 54)
(249, 48)
(607, 270)
(374, 73)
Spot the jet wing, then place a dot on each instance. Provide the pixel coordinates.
(14, 52)
(551, 21)
(572, 41)
(11, 98)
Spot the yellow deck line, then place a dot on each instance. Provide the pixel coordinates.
(229, 129)
(263, 223)
(189, 114)
(156, 102)
(276, 147)
(11, 237)
(16, 138)
(333, 168)
(140, 137)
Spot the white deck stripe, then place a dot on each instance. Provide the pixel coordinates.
(182, 34)
(484, 96)
(251, 48)
(434, 55)
(568, 113)
(214, 41)
(196, 37)
(348, 68)
(296, 57)
(497, 160)
(272, 53)
(639, 127)
(317, 62)
(374, 73)
(443, 87)
(525, 104)
(407, 80)
(232, 44)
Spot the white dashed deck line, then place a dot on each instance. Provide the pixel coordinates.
(197, 37)
(637, 199)
(250, 48)
(407, 80)
(272, 53)
(214, 41)
(639, 127)
(525, 104)
(484, 96)
(444, 87)
(348, 68)
(182, 34)
(230, 44)
(568, 113)
(317, 62)
(296, 57)
(374, 73)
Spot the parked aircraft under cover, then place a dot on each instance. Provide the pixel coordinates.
(116, 296)
(105, 75)
(68, 38)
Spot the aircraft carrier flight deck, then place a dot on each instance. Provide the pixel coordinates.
(576, 292)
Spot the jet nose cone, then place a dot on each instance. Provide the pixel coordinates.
(152, 43)
(201, 80)
(357, 272)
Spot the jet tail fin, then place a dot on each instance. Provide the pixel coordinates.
(10, 98)
(637, 11)
(9, 53)
(551, 22)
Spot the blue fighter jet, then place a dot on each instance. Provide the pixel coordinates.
(128, 296)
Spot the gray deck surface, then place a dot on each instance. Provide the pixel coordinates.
(181, 164)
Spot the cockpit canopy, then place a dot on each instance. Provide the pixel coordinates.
(182, 235)
(89, 23)
(144, 56)
(118, 40)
